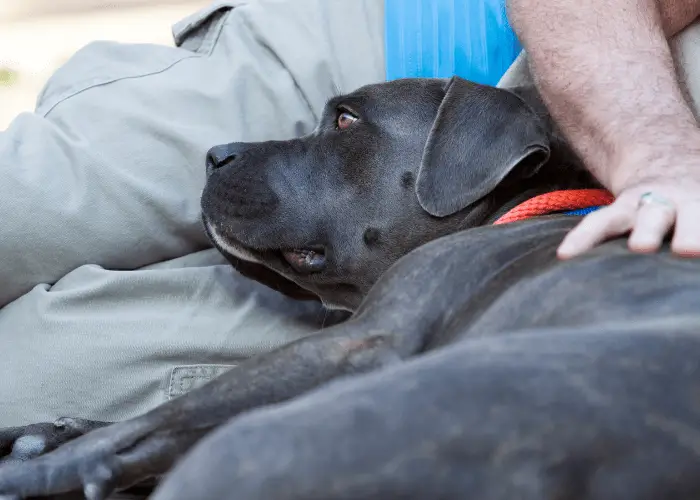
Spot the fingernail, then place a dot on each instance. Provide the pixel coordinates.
(565, 252)
(687, 254)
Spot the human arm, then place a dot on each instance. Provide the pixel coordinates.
(605, 71)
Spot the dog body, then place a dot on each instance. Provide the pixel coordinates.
(538, 380)
(475, 365)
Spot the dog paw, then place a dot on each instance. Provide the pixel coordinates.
(19, 444)
(97, 463)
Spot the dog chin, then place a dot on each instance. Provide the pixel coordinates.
(226, 245)
(338, 305)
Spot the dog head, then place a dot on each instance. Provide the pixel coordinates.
(390, 167)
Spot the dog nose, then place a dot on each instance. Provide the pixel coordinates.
(223, 154)
(218, 156)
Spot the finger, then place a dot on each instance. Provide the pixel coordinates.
(652, 223)
(686, 240)
(595, 228)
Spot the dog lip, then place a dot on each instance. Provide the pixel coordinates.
(306, 260)
(232, 246)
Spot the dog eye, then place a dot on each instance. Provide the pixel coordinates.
(344, 120)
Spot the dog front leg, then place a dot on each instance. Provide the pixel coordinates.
(128, 452)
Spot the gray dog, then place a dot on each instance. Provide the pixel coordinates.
(476, 365)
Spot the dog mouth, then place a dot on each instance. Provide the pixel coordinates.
(302, 260)
(305, 260)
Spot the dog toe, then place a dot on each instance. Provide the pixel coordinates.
(25, 443)
(19, 444)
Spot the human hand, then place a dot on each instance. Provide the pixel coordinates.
(649, 208)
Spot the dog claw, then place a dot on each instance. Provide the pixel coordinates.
(60, 423)
(95, 491)
(101, 483)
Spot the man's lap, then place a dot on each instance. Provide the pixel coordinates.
(106, 345)
(105, 179)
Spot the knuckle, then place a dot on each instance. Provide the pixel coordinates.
(620, 219)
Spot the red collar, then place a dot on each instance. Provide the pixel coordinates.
(557, 201)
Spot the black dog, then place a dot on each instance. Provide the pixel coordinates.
(499, 372)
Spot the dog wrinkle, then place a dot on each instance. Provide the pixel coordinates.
(374, 351)
(582, 385)
(694, 399)
(427, 450)
(685, 435)
(354, 345)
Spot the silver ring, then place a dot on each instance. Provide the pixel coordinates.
(649, 197)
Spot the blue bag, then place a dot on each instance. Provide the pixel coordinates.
(442, 38)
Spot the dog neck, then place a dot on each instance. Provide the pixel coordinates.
(561, 185)
(510, 205)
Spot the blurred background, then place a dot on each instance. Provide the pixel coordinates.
(37, 36)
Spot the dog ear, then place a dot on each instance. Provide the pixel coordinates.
(480, 134)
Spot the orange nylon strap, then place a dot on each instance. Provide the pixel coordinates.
(557, 201)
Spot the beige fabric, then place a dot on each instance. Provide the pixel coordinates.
(517, 74)
(115, 302)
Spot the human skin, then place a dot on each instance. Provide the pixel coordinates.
(605, 70)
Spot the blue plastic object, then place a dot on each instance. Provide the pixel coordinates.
(442, 38)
